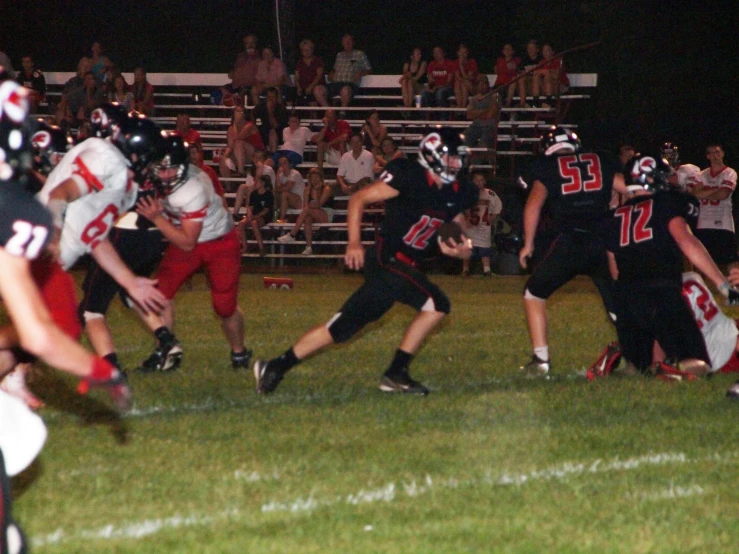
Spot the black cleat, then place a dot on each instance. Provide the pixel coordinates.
(241, 360)
(403, 383)
(166, 357)
(733, 391)
(536, 368)
(266, 377)
(117, 387)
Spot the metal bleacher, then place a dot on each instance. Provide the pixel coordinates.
(517, 136)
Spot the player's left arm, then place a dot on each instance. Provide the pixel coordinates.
(612, 266)
(185, 237)
(461, 249)
(696, 252)
(142, 290)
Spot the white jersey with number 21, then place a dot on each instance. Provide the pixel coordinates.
(719, 331)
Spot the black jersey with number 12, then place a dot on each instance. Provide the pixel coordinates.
(413, 218)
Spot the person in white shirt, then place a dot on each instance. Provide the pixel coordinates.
(294, 139)
(715, 227)
(355, 167)
(481, 219)
(201, 233)
(290, 187)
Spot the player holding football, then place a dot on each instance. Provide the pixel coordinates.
(201, 233)
(578, 187)
(419, 198)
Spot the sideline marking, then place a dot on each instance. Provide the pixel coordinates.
(393, 490)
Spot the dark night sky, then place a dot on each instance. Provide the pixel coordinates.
(664, 73)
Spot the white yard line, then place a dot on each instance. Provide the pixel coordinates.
(411, 489)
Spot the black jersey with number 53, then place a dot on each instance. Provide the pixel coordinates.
(579, 187)
(25, 225)
(413, 218)
(638, 234)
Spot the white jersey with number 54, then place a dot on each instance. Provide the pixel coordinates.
(481, 218)
(719, 331)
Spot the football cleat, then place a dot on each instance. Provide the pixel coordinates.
(606, 362)
(403, 383)
(267, 378)
(241, 360)
(670, 371)
(733, 391)
(117, 387)
(166, 357)
(536, 368)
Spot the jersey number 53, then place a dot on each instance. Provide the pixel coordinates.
(580, 173)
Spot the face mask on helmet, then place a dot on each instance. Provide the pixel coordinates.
(15, 143)
(50, 144)
(108, 121)
(141, 145)
(671, 153)
(647, 173)
(559, 140)
(443, 152)
(171, 170)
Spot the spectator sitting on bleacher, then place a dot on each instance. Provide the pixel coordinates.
(373, 132)
(185, 130)
(99, 62)
(72, 92)
(34, 81)
(143, 93)
(484, 111)
(263, 166)
(294, 138)
(331, 139)
(230, 93)
(349, 68)
(318, 204)
(272, 117)
(271, 72)
(355, 167)
(120, 93)
(245, 67)
(413, 71)
(506, 69)
(555, 80)
(92, 97)
(465, 76)
(439, 87)
(389, 151)
(242, 140)
(257, 172)
(532, 82)
(259, 211)
(309, 76)
(290, 188)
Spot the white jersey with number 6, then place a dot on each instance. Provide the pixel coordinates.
(101, 173)
(482, 216)
(719, 331)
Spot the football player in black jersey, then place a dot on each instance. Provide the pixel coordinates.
(646, 239)
(25, 229)
(420, 196)
(577, 188)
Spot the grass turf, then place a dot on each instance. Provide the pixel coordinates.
(488, 462)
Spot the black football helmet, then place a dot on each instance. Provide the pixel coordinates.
(559, 140)
(50, 143)
(671, 153)
(650, 173)
(15, 133)
(108, 121)
(173, 154)
(435, 148)
(141, 145)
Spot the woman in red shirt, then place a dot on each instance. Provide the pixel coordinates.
(465, 76)
(506, 69)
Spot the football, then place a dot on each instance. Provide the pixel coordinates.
(451, 230)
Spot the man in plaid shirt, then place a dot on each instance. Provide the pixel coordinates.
(350, 66)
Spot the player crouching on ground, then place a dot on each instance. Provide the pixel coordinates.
(646, 240)
(419, 198)
(201, 233)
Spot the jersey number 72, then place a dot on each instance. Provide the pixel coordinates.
(640, 230)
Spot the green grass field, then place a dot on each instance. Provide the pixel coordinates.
(488, 462)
